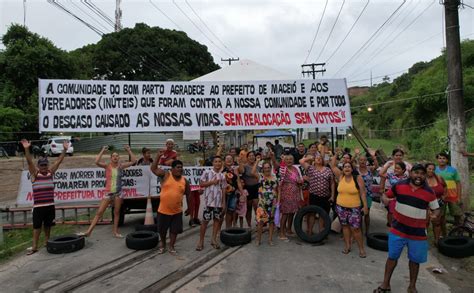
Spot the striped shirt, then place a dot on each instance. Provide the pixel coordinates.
(410, 209)
(43, 190)
(113, 179)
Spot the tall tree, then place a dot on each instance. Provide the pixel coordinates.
(27, 57)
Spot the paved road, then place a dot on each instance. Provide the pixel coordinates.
(106, 265)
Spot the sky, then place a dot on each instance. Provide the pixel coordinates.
(277, 34)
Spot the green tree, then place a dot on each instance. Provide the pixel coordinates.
(148, 53)
(26, 58)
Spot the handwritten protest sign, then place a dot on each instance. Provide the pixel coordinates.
(128, 106)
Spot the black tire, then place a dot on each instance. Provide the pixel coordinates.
(235, 236)
(152, 228)
(65, 244)
(317, 237)
(378, 241)
(456, 246)
(121, 216)
(460, 231)
(142, 240)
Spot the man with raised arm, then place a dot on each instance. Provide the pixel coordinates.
(42, 182)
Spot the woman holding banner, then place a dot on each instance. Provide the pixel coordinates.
(113, 187)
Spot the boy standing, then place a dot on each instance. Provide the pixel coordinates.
(453, 182)
(214, 183)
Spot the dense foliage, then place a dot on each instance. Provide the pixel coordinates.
(419, 120)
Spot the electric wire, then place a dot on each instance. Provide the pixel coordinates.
(332, 30)
(199, 29)
(377, 53)
(348, 33)
(371, 37)
(166, 15)
(317, 32)
(91, 8)
(61, 7)
(88, 14)
(209, 29)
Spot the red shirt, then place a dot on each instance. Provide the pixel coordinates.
(168, 155)
(410, 209)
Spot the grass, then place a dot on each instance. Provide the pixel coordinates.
(17, 240)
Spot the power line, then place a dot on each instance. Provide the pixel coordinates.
(417, 127)
(317, 31)
(348, 33)
(332, 29)
(198, 28)
(209, 29)
(404, 99)
(98, 11)
(61, 7)
(166, 15)
(86, 13)
(373, 56)
(371, 37)
(100, 33)
(379, 76)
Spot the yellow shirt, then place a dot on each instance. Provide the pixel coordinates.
(348, 196)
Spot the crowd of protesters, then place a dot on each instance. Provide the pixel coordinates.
(274, 183)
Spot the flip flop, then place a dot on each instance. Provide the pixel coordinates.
(119, 236)
(199, 248)
(215, 245)
(381, 290)
(82, 234)
(346, 251)
(362, 255)
(161, 250)
(32, 251)
(173, 252)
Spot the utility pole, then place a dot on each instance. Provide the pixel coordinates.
(230, 60)
(456, 115)
(118, 16)
(313, 70)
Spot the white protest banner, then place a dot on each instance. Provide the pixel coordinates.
(131, 106)
(88, 184)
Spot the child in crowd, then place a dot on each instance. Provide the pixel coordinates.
(242, 207)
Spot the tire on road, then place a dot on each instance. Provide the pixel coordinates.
(152, 228)
(456, 246)
(378, 241)
(317, 237)
(65, 244)
(235, 236)
(142, 240)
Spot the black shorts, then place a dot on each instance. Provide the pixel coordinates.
(172, 222)
(212, 213)
(44, 216)
(320, 201)
(253, 191)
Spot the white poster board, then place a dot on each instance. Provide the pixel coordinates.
(139, 106)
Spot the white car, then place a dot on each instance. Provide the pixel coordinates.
(54, 146)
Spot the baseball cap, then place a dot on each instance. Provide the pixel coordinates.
(417, 167)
